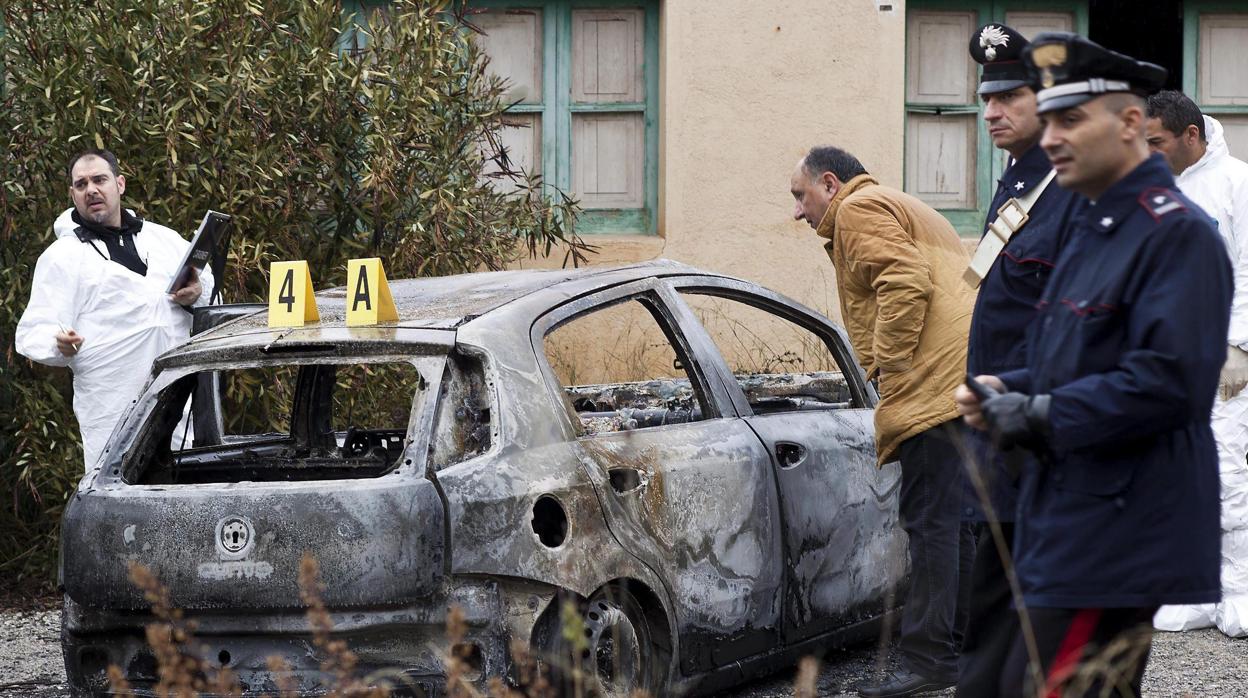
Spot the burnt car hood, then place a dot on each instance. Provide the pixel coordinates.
(238, 546)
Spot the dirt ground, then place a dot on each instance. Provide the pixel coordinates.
(1201, 663)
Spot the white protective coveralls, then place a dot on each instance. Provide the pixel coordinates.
(126, 320)
(1219, 184)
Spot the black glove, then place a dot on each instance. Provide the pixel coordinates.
(1015, 419)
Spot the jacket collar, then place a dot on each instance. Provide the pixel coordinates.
(130, 225)
(1026, 172)
(827, 226)
(1120, 200)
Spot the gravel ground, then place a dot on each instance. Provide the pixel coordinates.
(1200, 663)
(30, 655)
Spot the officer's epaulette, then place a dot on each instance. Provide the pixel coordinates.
(1159, 201)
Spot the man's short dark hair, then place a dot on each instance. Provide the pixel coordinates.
(826, 158)
(100, 153)
(1177, 111)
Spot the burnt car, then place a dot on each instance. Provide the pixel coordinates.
(685, 456)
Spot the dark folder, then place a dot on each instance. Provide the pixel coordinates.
(210, 233)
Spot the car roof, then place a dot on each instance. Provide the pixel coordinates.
(446, 302)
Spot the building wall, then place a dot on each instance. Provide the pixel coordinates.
(746, 88)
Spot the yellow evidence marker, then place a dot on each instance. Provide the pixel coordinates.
(291, 303)
(368, 295)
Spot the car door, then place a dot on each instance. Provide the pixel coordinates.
(685, 484)
(792, 373)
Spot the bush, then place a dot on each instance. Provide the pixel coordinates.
(324, 141)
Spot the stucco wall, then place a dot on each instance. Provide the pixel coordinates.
(747, 87)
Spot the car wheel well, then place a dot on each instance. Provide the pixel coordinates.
(651, 605)
(630, 597)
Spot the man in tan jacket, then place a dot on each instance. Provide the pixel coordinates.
(899, 267)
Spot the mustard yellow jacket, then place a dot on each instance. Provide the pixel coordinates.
(899, 268)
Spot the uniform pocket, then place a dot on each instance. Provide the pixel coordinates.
(1023, 275)
(1089, 474)
(1089, 334)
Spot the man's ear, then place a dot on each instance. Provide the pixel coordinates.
(1133, 121)
(1191, 134)
(121, 184)
(830, 182)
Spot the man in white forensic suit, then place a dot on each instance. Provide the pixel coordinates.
(98, 303)
(1195, 148)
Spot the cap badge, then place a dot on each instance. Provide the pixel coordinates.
(990, 38)
(1047, 57)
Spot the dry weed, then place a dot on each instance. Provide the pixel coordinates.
(117, 681)
(457, 683)
(1108, 672)
(804, 686)
(286, 687)
(531, 677)
(182, 675)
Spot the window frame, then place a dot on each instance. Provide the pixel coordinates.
(1192, 10)
(137, 428)
(557, 108)
(762, 299)
(989, 165)
(700, 361)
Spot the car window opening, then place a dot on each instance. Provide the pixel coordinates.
(286, 422)
(780, 365)
(463, 429)
(638, 379)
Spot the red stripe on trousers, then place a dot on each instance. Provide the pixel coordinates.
(1071, 649)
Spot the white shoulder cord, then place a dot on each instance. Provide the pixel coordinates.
(1012, 216)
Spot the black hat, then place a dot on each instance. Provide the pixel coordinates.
(1000, 50)
(1071, 70)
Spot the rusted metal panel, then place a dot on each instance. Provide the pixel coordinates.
(720, 562)
(844, 549)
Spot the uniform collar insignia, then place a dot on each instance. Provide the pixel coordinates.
(1118, 205)
(1028, 169)
(1159, 202)
(990, 38)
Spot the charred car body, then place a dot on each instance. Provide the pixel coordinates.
(688, 456)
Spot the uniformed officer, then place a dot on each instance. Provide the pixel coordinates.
(1020, 244)
(1122, 367)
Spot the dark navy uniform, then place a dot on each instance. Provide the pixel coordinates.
(1008, 293)
(1006, 304)
(1007, 298)
(1004, 308)
(1119, 514)
(1129, 343)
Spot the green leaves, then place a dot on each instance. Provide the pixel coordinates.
(260, 110)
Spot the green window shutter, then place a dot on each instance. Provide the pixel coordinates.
(1214, 34)
(515, 41)
(588, 108)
